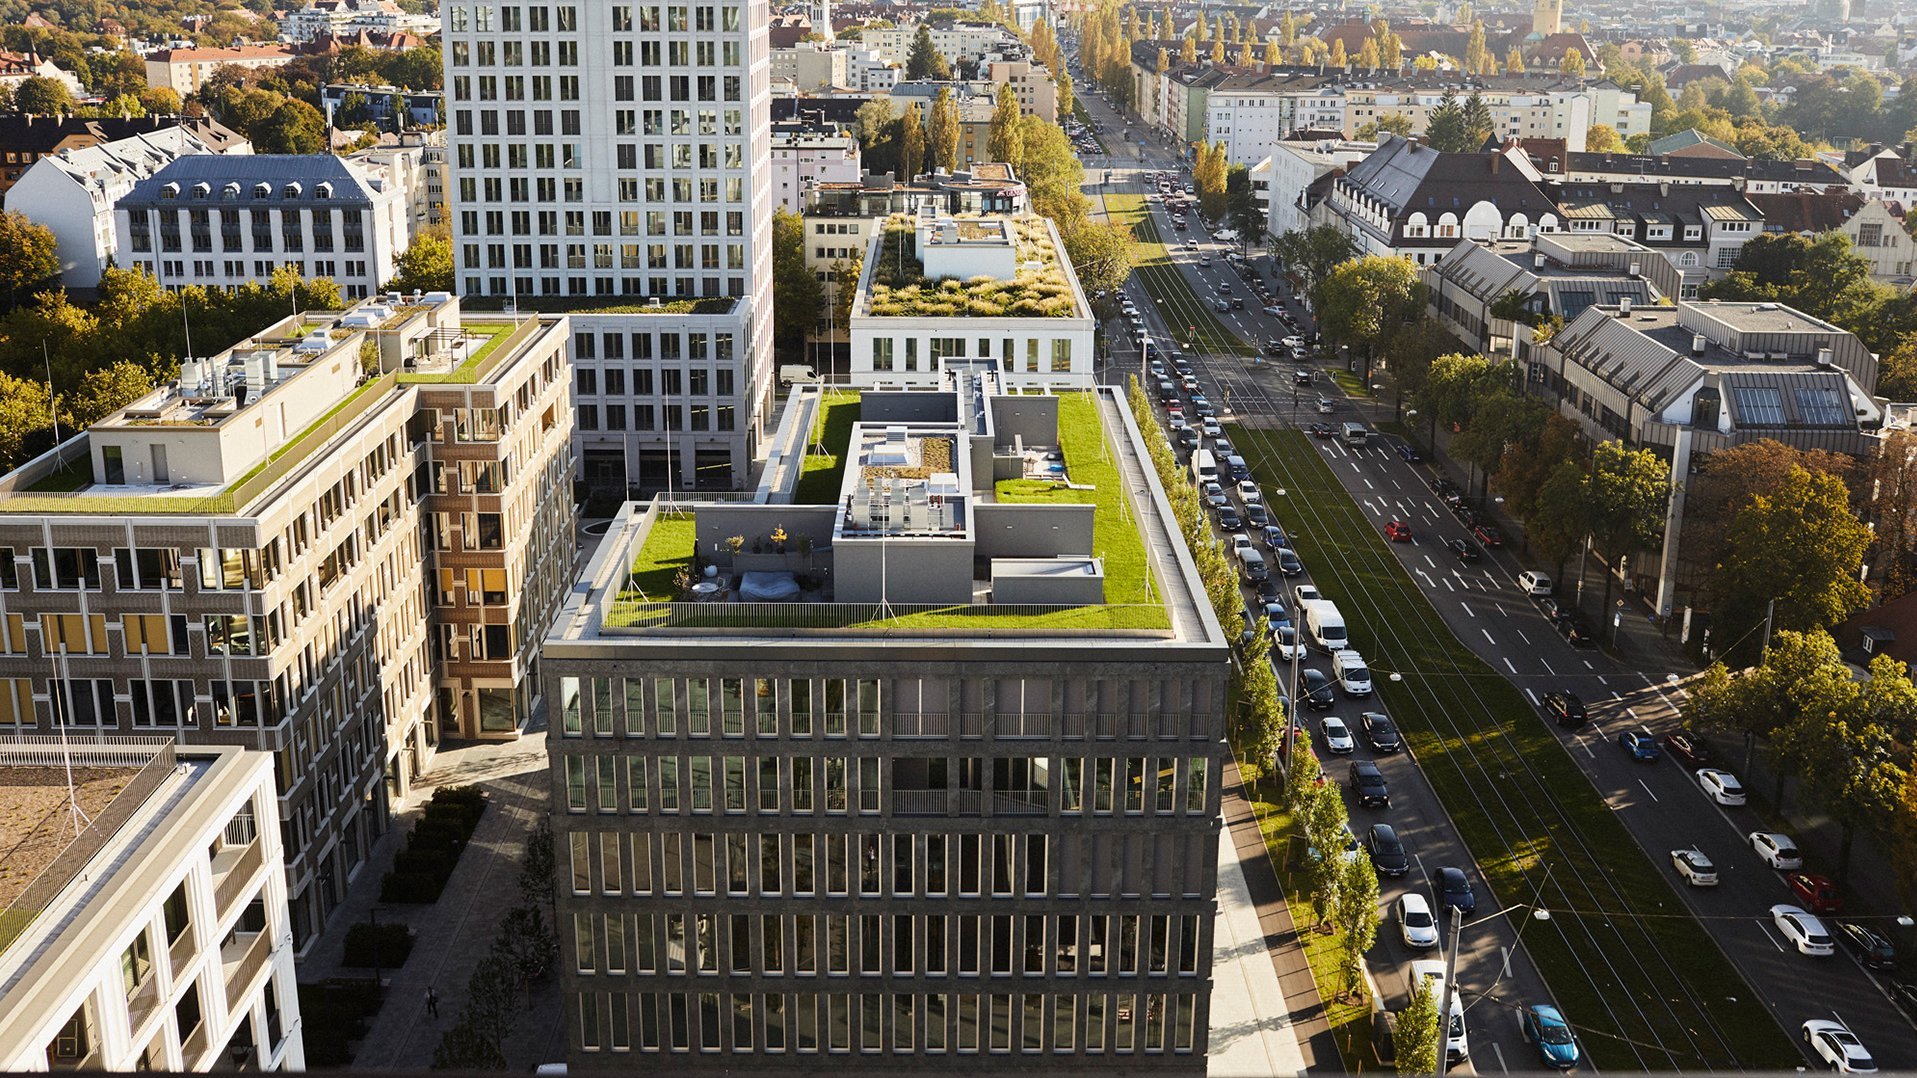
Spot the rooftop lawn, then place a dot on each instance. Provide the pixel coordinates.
(496, 333)
(900, 288)
(824, 470)
(668, 546)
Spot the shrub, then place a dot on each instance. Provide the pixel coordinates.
(437, 834)
(434, 862)
(419, 887)
(461, 795)
(385, 946)
(333, 1014)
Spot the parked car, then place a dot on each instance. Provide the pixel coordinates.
(1641, 744)
(1687, 748)
(1804, 931)
(1775, 850)
(1488, 534)
(1416, 926)
(1534, 582)
(1368, 785)
(1545, 1027)
(1573, 629)
(1407, 451)
(1721, 786)
(1387, 852)
(1870, 947)
(1454, 890)
(1838, 1047)
(1336, 734)
(1317, 689)
(1815, 891)
(1464, 550)
(1565, 708)
(1695, 868)
(1398, 531)
(1379, 733)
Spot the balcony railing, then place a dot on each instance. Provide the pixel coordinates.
(194, 1047)
(235, 874)
(142, 1004)
(244, 968)
(967, 803)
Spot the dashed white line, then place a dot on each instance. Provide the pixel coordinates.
(1467, 610)
(1547, 668)
(1521, 636)
(1447, 584)
(1487, 637)
(1532, 693)
(1588, 666)
(1428, 561)
(1601, 680)
(1647, 789)
(1507, 663)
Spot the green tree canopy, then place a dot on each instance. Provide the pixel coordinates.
(38, 95)
(797, 295)
(1766, 557)
(1311, 254)
(925, 61)
(426, 265)
(29, 255)
(1007, 140)
(1415, 1040)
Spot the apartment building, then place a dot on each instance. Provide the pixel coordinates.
(614, 161)
(1297, 164)
(936, 289)
(74, 190)
(811, 65)
(807, 154)
(416, 164)
(157, 939)
(336, 542)
(1409, 199)
(1031, 83)
(184, 71)
(25, 138)
(1552, 274)
(220, 222)
(955, 41)
(838, 802)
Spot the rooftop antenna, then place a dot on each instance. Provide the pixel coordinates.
(59, 459)
(79, 817)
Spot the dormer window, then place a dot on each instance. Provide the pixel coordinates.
(230, 192)
(170, 190)
(202, 190)
(323, 190)
(262, 190)
(291, 190)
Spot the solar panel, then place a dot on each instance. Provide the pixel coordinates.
(1760, 406)
(1822, 407)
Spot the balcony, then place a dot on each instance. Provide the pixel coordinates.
(242, 960)
(143, 1003)
(968, 803)
(193, 1048)
(233, 869)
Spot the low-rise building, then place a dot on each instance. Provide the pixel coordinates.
(1699, 228)
(390, 107)
(1550, 275)
(805, 155)
(1031, 84)
(1878, 234)
(184, 71)
(25, 139)
(73, 192)
(811, 65)
(1409, 199)
(145, 924)
(222, 222)
(997, 289)
(288, 551)
(1299, 162)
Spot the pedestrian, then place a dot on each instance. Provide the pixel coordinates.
(432, 1002)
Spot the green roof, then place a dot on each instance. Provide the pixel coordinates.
(900, 289)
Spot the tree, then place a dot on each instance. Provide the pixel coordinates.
(1814, 585)
(29, 255)
(1363, 302)
(911, 144)
(161, 101)
(1052, 173)
(1572, 64)
(25, 414)
(1415, 1039)
(1446, 128)
(1063, 82)
(1310, 255)
(1339, 58)
(1210, 176)
(1562, 517)
(1725, 482)
(925, 61)
(1006, 142)
(942, 131)
(1274, 54)
(1630, 490)
(1893, 499)
(38, 95)
(1474, 50)
(797, 296)
(878, 130)
(845, 277)
(295, 127)
(106, 391)
(1603, 138)
(1188, 52)
(1514, 61)
(1102, 254)
(1853, 763)
(1356, 913)
(426, 265)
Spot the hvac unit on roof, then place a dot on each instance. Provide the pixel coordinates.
(1637, 269)
(1624, 306)
(1698, 343)
(1823, 357)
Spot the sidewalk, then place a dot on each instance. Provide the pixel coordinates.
(453, 934)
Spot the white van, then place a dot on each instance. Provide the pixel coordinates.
(1204, 467)
(1355, 434)
(796, 373)
(1534, 582)
(1325, 626)
(1456, 1047)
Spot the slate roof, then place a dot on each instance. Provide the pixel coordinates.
(276, 171)
(1805, 211)
(1409, 177)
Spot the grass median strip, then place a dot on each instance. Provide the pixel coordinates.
(1195, 325)
(1640, 983)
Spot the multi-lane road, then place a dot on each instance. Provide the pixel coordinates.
(1659, 803)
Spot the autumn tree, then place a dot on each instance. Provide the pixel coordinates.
(106, 391)
(26, 415)
(942, 131)
(426, 265)
(1767, 560)
(1724, 483)
(1893, 506)
(38, 95)
(1572, 64)
(1005, 142)
(911, 144)
(1356, 914)
(1361, 303)
(1629, 492)
(1603, 138)
(29, 255)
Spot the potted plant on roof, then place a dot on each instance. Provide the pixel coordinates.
(778, 538)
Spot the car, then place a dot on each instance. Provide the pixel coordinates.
(1274, 310)
(1464, 550)
(1408, 452)
(1416, 926)
(1534, 582)
(1214, 493)
(1208, 426)
(1565, 708)
(1205, 260)
(1695, 868)
(1349, 847)
(1316, 689)
(1720, 786)
(1687, 748)
(1488, 534)
(1288, 562)
(1454, 890)
(1220, 305)
(1575, 631)
(1175, 408)
(1240, 542)
(1776, 850)
(1870, 947)
(1228, 518)
(1838, 1047)
(1336, 734)
(1803, 930)
(1379, 732)
(1222, 449)
(1641, 744)
(1224, 288)
(1387, 852)
(1398, 531)
(1248, 491)
(1192, 243)
(1304, 593)
(1441, 486)
(1321, 430)
(1256, 515)
(1815, 891)
(1276, 613)
(1325, 406)
(1368, 785)
(1285, 644)
(1268, 590)
(1189, 382)
(1354, 677)
(1187, 438)
(1545, 1027)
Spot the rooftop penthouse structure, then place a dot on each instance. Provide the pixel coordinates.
(912, 753)
(335, 542)
(936, 288)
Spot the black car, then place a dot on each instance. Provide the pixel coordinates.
(1228, 518)
(1408, 451)
(1872, 949)
(1269, 591)
(1387, 853)
(1317, 689)
(1288, 562)
(1321, 430)
(1904, 995)
(1369, 784)
(1187, 438)
(1565, 708)
(1574, 630)
(1441, 486)
(1257, 515)
(1454, 890)
(1379, 732)
(1464, 550)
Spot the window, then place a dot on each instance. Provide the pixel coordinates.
(1822, 407)
(1758, 406)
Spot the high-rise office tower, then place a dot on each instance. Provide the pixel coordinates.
(926, 767)
(613, 160)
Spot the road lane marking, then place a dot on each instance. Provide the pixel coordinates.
(1428, 561)
(1532, 693)
(1487, 637)
(1427, 578)
(1467, 609)
(1601, 680)
(1447, 585)
(1647, 789)
(1766, 929)
(1508, 666)
(1521, 636)
(1547, 668)
(1588, 666)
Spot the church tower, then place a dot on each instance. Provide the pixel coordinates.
(1547, 17)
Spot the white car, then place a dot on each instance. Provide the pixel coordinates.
(1838, 1047)
(1305, 593)
(1285, 644)
(1353, 675)
(1803, 930)
(1720, 786)
(1775, 850)
(1534, 582)
(1337, 735)
(1415, 923)
(1248, 491)
(1240, 542)
(1696, 868)
(1293, 342)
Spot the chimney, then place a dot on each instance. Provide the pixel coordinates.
(1624, 306)
(1823, 357)
(1537, 260)
(1496, 160)
(1637, 270)
(1698, 342)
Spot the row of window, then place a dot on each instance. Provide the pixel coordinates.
(623, 285)
(672, 381)
(154, 703)
(645, 417)
(885, 353)
(1092, 1023)
(522, 222)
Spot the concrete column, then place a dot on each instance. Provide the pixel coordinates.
(1673, 521)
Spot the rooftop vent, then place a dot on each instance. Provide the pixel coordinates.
(1637, 269)
(1698, 342)
(1823, 357)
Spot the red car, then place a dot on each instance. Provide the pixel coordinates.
(1815, 892)
(1687, 748)
(1489, 535)
(1398, 531)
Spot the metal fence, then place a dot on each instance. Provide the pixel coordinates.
(982, 619)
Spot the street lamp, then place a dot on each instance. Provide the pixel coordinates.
(1538, 913)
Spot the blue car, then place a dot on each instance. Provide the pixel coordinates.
(1546, 1028)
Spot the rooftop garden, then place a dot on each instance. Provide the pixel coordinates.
(826, 447)
(667, 551)
(606, 304)
(900, 288)
(496, 333)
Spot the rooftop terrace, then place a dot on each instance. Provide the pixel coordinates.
(968, 267)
